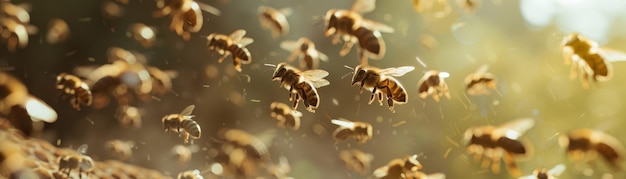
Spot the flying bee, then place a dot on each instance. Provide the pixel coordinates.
(306, 51)
(233, 44)
(174, 122)
(190, 174)
(182, 154)
(74, 161)
(186, 15)
(480, 82)
(356, 160)
(241, 153)
(145, 35)
(432, 83)
(58, 31)
(352, 28)
(162, 80)
(588, 144)
(360, 131)
(275, 20)
(129, 116)
(121, 150)
(287, 117)
(399, 168)
(15, 25)
(301, 84)
(382, 82)
(589, 58)
(546, 174)
(493, 143)
(70, 85)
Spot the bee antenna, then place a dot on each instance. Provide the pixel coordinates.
(347, 74)
(348, 67)
(269, 65)
(319, 20)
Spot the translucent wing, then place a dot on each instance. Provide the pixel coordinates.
(378, 26)
(322, 56)
(188, 110)
(611, 55)
(316, 77)
(245, 41)
(436, 176)
(82, 149)
(286, 11)
(84, 71)
(209, 8)
(363, 6)
(381, 172)
(113, 69)
(343, 123)
(397, 71)
(39, 110)
(289, 45)
(557, 170)
(482, 69)
(514, 129)
(237, 35)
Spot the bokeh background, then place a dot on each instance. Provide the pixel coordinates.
(518, 39)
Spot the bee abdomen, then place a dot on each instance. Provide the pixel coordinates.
(310, 94)
(598, 65)
(397, 92)
(240, 53)
(192, 128)
(105, 84)
(84, 96)
(368, 40)
(511, 146)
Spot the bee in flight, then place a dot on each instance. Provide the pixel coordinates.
(58, 31)
(546, 174)
(250, 150)
(145, 35)
(301, 84)
(479, 82)
(79, 161)
(15, 25)
(356, 160)
(407, 167)
(121, 150)
(432, 83)
(589, 58)
(186, 15)
(304, 49)
(190, 174)
(382, 82)
(352, 28)
(588, 144)
(287, 117)
(174, 122)
(275, 20)
(360, 131)
(496, 142)
(70, 85)
(129, 116)
(233, 44)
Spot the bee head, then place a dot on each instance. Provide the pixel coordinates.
(331, 22)
(280, 71)
(571, 39)
(359, 75)
(211, 39)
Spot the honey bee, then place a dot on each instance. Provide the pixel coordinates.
(356, 160)
(499, 142)
(58, 31)
(190, 174)
(161, 80)
(287, 117)
(275, 20)
(234, 44)
(588, 144)
(546, 174)
(360, 131)
(589, 58)
(70, 85)
(174, 122)
(399, 168)
(306, 51)
(121, 150)
(382, 82)
(432, 83)
(182, 154)
(350, 26)
(301, 84)
(186, 15)
(15, 25)
(480, 82)
(74, 161)
(240, 153)
(129, 116)
(145, 35)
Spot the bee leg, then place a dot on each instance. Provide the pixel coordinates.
(573, 71)
(372, 98)
(435, 96)
(75, 103)
(495, 165)
(585, 79)
(390, 100)
(295, 102)
(346, 48)
(186, 138)
(510, 161)
(293, 55)
(380, 99)
(485, 162)
(237, 64)
(335, 39)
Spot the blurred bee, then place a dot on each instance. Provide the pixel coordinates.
(407, 167)
(281, 169)
(121, 150)
(382, 82)
(58, 31)
(15, 25)
(74, 161)
(186, 15)
(306, 51)
(589, 58)
(432, 83)
(287, 117)
(356, 160)
(145, 35)
(241, 153)
(190, 174)
(546, 174)
(161, 80)
(493, 143)
(350, 26)
(588, 144)
(360, 131)
(174, 122)
(480, 82)
(301, 84)
(182, 154)
(129, 116)
(469, 6)
(275, 20)
(12, 157)
(234, 44)
(70, 85)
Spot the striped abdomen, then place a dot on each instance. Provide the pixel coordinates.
(598, 65)
(240, 53)
(392, 86)
(192, 128)
(370, 41)
(309, 94)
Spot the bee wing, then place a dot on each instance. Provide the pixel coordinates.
(343, 123)
(245, 41)
(322, 56)
(557, 170)
(188, 110)
(237, 35)
(612, 55)
(519, 125)
(436, 176)
(527, 177)
(381, 172)
(316, 77)
(397, 71)
(289, 45)
(378, 26)
(285, 11)
(363, 6)
(82, 149)
(39, 110)
(209, 8)
(482, 69)
(113, 69)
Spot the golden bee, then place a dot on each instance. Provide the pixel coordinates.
(58, 31)
(589, 58)
(15, 19)
(499, 142)
(274, 20)
(356, 160)
(407, 167)
(121, 150)
(360, 131)
(186, 15)
(241, 153)
(233, 44)
(382, 82)
(301, 84)
(352, 28)
(182, 154)
(77, 161)
(588, 144)
(129, 116)
(145, 35)
(190, 174)
(480, 82)
(70, 85)
(304, 49)
(161, 80)
(432, 83)
(287, 117)
(546, 174)
(174, 122)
